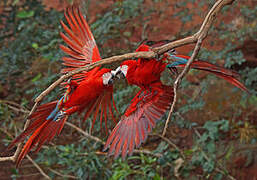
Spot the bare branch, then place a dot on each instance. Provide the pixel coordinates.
(102, 142)
(19, 147)
(201, 34)
(198, 37)
(62, 175)
(38, 167)
(85, 133)
(177, 82)
(10, 158)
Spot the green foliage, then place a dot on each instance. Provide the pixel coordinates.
(206, 144)
(30, 41)
(25, 14)
(80, 160)
(143, 168)
(112, 23)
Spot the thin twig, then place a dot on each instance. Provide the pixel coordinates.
(17, 152)
(103, 142)
(19, 147)
(178, 80)
(85, 133)
(14, 106)
(170, 143)
(198, 37)
(38, 167)
(63, 175)
(145, 151)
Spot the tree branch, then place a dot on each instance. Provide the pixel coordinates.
(85, 133)
(201, 34)
(198, 37)
(178, 80)
(38, 167)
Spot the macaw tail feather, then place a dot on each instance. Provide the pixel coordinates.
(42, 130)
(226, 74)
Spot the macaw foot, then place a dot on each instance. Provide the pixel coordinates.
(159, 57)
(172, 52)
(173, 71)
(59, 115)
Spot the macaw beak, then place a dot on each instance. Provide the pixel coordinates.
(112, 78)
(110, 81)
(118, 73)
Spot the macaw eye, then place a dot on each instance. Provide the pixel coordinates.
(107, 78)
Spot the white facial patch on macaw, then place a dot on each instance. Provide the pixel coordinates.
(107, 78)
(124, 70)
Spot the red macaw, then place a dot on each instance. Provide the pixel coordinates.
(146, 108)
(85, 91)
(153, 99)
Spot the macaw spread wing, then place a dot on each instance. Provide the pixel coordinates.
(82, 48)
(145, 110)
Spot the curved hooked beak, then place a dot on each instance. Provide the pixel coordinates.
(118, 73)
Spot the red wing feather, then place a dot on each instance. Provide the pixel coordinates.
(82, 48)
(103, 103)
(145, 110)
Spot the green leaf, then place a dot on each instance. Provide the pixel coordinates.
(25, 14)
(35, 45)
(229, 153)
(218, 176)
(161, 147)
(37, 77)
(210, 146)
(225, 125)
(209, 166)
(188, 152)
(127, 34)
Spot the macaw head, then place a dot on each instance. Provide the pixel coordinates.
(124, 68)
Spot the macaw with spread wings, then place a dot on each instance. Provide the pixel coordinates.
(154, 98)
(90, 91)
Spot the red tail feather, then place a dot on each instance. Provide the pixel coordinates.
(37, 119)
(44, 133)
(42, 130)
(221, 72)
